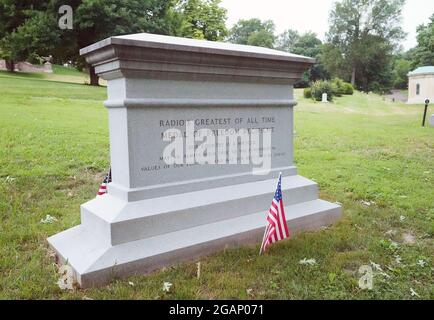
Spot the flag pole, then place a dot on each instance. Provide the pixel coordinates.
(263, 238)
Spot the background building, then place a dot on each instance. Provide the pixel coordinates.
(421, 85)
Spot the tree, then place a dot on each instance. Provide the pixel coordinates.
(95, 20)
(424, 52)
(287, 40)
(30, 27)
(359, 28)
(401, 68)
(203, 19)
(375, 72)
(99, 19)
(25, 30)
(308, 45)
(253, 32)
(261, 38)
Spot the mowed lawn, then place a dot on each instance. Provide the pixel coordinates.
(370, 155)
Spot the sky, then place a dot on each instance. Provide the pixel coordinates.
(312, 15)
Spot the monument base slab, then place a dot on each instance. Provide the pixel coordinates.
(170, 230)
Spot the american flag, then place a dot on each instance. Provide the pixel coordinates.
(277, 227)
(103, 187)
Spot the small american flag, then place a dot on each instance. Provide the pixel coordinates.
(103, 187)
(277, 227)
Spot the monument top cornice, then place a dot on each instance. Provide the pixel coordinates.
(148, 40)
(165, 57)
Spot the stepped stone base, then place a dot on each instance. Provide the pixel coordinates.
(119, 238)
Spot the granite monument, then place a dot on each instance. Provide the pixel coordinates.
(158, 211)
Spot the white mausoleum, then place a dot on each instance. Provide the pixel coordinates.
(421, 85)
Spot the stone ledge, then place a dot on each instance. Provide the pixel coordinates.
(96, 263)
(121, 222)
(169, 103)
(162, 57)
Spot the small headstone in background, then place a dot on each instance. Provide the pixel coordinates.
(431, 120)
(324, 98)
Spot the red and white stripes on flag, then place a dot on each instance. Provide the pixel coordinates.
(277, 227)
(103, 187)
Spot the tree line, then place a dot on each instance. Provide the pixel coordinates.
(362, 45)
(29, 28)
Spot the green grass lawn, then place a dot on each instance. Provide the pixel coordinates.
(368, 154)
